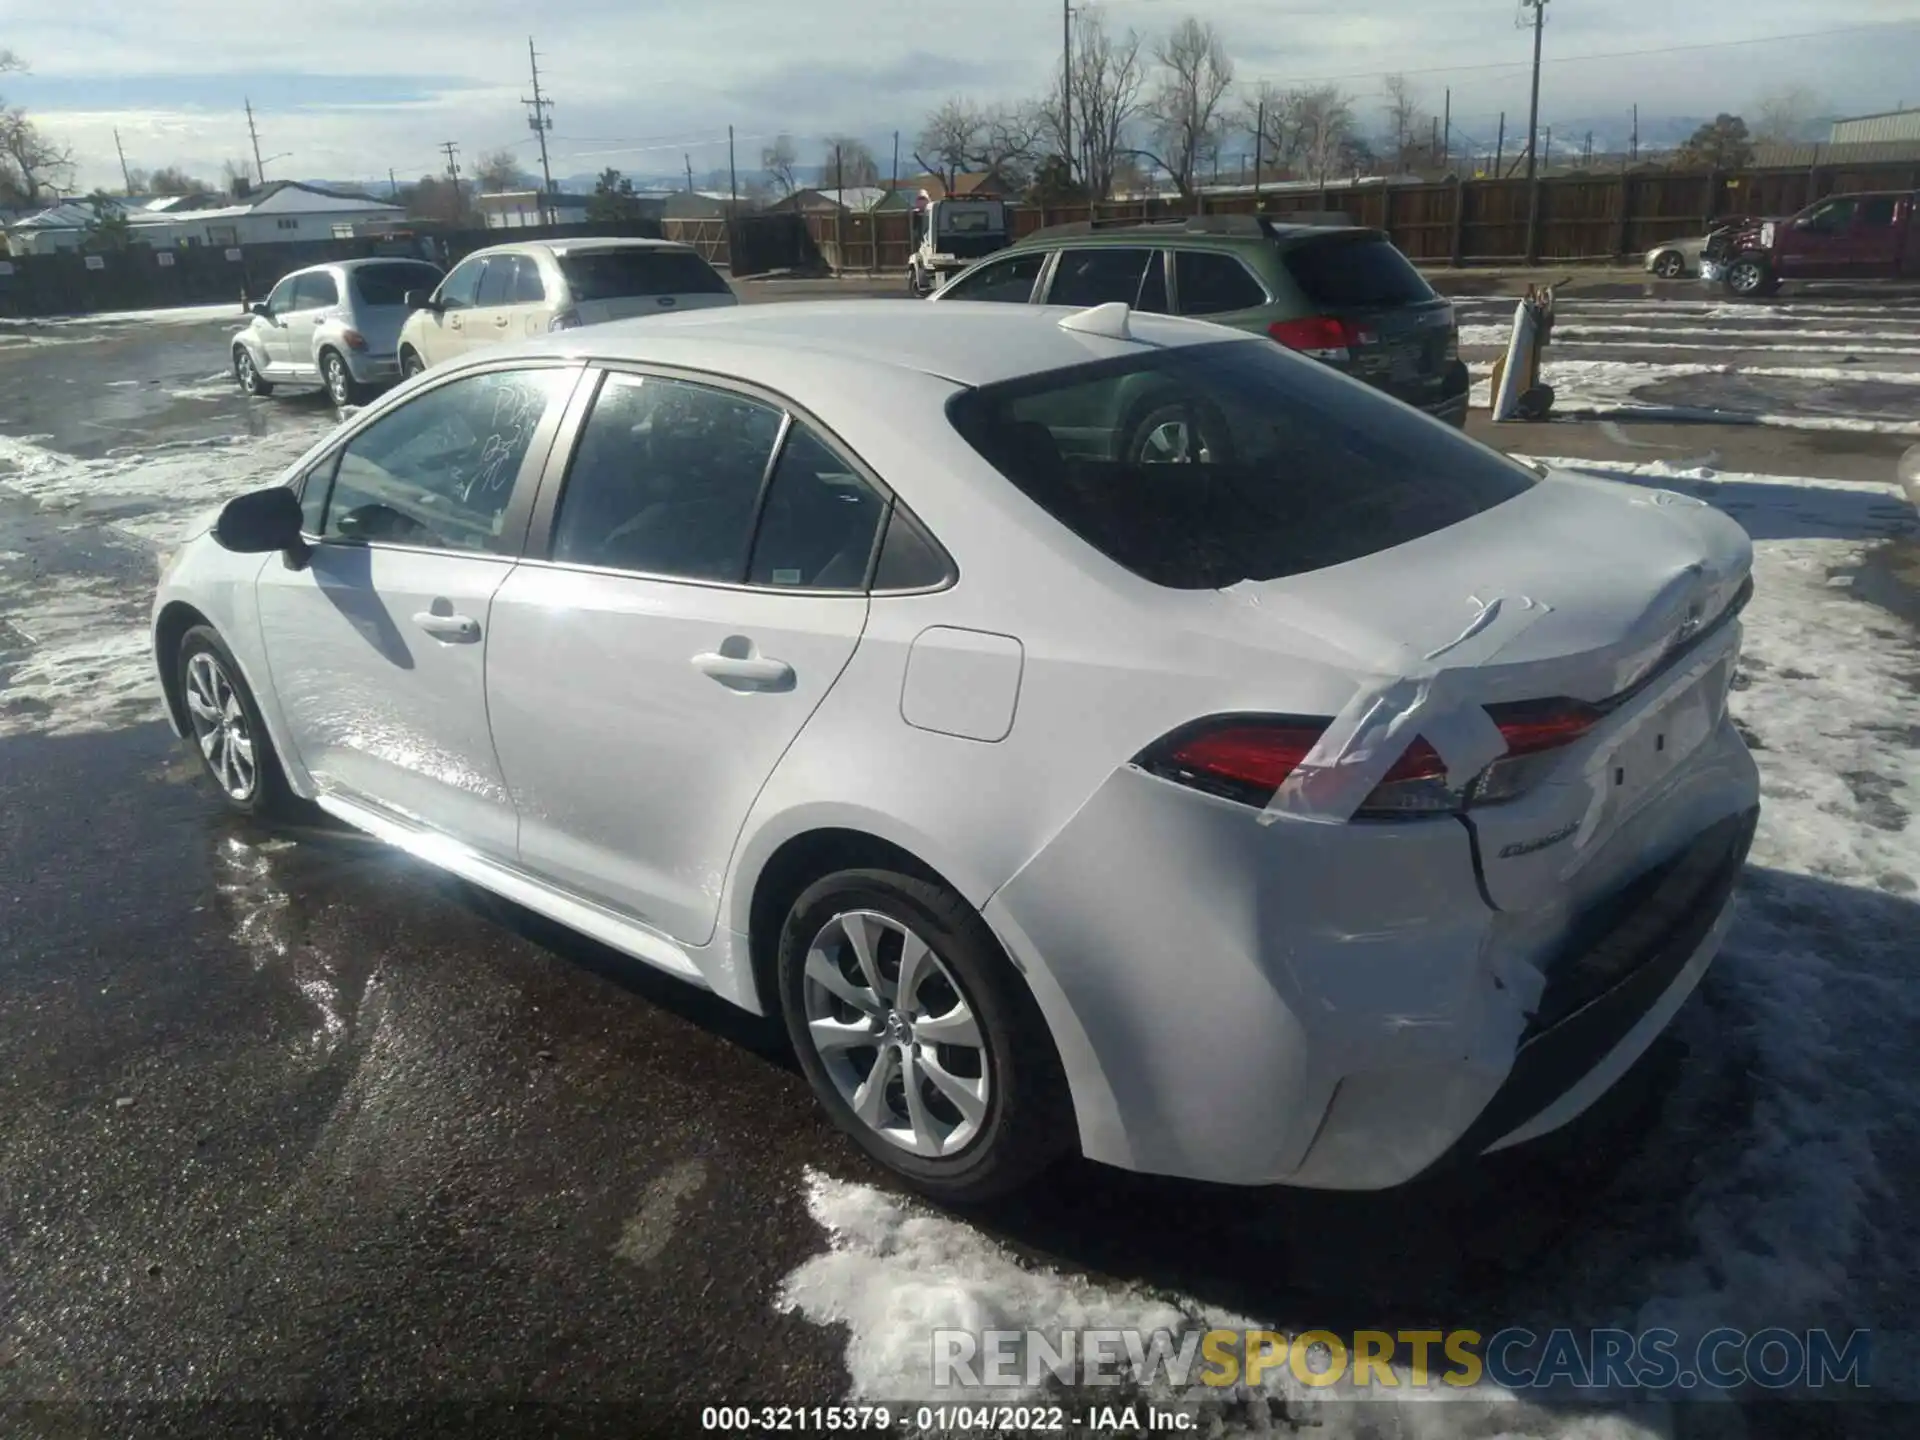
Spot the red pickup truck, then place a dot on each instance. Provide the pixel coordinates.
(1844, 237)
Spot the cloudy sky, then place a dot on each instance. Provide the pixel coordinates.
(347, 89)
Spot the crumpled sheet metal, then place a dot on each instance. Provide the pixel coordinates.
(1433, 698)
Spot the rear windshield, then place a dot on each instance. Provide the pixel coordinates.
(1344, 271)
(388, 284)
(621, 274)
(1202, 466)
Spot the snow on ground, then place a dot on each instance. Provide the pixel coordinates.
(1778, 1214)
(174, 315)
(85, 664)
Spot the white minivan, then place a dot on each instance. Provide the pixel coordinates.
(514, 292)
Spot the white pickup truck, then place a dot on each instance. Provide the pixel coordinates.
(949, 235)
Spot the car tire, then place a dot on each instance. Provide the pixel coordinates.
(993, 1110)
(411, 364)
(1152, 435)
(1671, 265)
(225, 728)
(1750, 277)
(338, 379)
(248, 376)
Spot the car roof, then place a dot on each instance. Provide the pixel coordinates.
(1193, 232)
(586, 244)
(966, 342)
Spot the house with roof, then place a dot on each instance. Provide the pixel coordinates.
(972, 184)
(283, 210)
(825, 200)
(523, 209)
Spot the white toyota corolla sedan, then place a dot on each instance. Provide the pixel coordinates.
(1085, 729)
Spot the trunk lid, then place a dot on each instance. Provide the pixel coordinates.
(617, 282)
(381, 324)
(1401, 334)
(625, 307)
(1579, 590)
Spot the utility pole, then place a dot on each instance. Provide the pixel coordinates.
(1446, 160)
(1500, 146)
(393, 185)
(1066, 86)
(126, 177)
(1587, 155)
(1259, 143)
(259, 168)
(453, 164)
(733, 176)
(687, 160)
(1433, 138)
(1636, 134)
(1539, 8)
(896, 160)
(540, 123)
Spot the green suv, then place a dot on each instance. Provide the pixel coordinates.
(1339, 293)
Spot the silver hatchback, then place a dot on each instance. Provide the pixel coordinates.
(335, 325)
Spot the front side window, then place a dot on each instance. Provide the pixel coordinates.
(1102, 276)
(458, 290)
(439, 470)
(1198, 467)
(665, 480)
(281, 300)
(1211, 283)
(1010, 280)
(1834, 215)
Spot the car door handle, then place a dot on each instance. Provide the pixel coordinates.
(448, 627)
(454, 322)
(501, 321)
(745, 672)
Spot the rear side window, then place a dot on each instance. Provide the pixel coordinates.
(622, 274)
(496, 284)
(665, 480)
(315, 291)
(528, 287)
(389, 284)
(1010, 280)
(1214, 284)
(1203, 466)
(1876, 210)
(1100, 277)
(1347, 271)
(817, 528)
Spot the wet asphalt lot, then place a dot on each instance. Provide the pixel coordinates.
(293, 1120)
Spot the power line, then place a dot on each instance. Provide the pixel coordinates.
(1598, 55)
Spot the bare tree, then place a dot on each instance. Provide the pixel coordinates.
(1187, 108)
(950, 138)
(778, 160)
(234, 172)
(1265, 118)
(1780, 117)
(1320, 125)
(33, 162)
(500, 171)
(849, 164)
(1404, 121)
(1104, 99)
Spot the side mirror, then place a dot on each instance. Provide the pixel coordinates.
(419, 300)
(261, 522)
(260, 310)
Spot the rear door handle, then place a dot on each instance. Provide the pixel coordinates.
(501, 321)
(452, 628)
(745, 672)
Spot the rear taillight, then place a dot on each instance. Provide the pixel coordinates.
(1248, 758)
(355, 340)
(1451, 352)
(1324, 337)
(565, 320)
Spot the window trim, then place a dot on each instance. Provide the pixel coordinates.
(1177, 307)
(510, 544)
(538, 547)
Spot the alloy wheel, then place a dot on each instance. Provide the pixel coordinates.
(895, 1034)
(220, 726)
(1745, 277)
(1671, 267)
(338, 383)
(243, 369)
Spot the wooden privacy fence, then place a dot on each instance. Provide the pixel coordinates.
(1450, 222)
